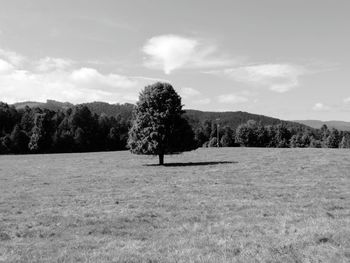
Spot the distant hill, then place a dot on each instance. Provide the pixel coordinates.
(195, 117)
(49, 104)
(339, 125)
(124, 110)
(235, 118)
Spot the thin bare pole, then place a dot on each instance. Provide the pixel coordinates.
(218, 135)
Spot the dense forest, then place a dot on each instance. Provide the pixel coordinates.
(36, 130)
(55, 127)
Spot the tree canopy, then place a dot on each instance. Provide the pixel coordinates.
(158, 127)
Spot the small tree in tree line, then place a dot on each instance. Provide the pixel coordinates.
(158, 127)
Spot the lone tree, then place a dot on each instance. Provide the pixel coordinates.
(158, 127)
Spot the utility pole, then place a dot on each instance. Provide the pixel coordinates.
(218, 134)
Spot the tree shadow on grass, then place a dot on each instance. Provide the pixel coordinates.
(191, 164)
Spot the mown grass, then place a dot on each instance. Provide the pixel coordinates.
(228, 205)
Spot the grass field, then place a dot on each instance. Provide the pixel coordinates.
(228, 205)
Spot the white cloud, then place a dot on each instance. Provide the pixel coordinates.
(56, 78)
(231, 98)
(170, 52)
(21, 85)
(90, 77)
(277, 77)
(321, 107)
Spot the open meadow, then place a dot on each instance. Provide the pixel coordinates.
(210, 205)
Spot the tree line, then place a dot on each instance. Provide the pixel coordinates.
(77, 129)
(36, 130)
(255, 134)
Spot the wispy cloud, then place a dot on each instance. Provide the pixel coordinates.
(106, 22)
(188, 92)
(321, 107)
(52, 64)
(277, 77)
(170, 52)
(347, 100)
(232, 98)
(12, 57)
(150, 79)
(203, 101)
(5, 66)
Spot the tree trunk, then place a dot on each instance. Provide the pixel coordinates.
(161, 159)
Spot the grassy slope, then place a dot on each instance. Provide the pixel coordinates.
(269, 205)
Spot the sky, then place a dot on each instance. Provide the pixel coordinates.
(280, 58)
